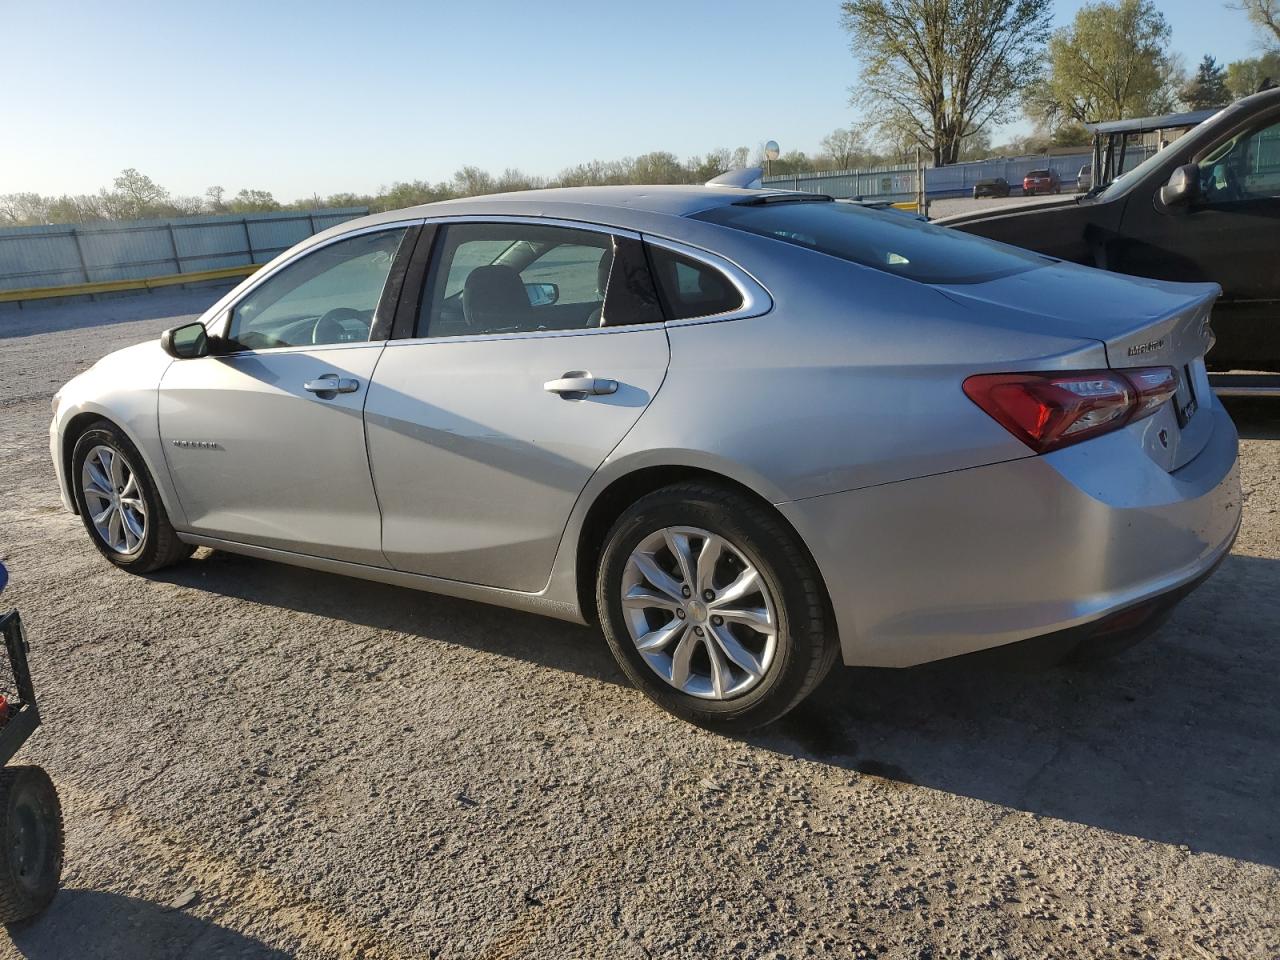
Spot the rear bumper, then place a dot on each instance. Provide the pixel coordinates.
(942, 566)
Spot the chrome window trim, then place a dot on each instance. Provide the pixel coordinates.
(220, 312)
(756, 300)
(586, 225)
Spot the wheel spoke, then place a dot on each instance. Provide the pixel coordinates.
(130, 488)
(642, 597)
(745, 584)
(97, 476)
(757, 618)
(656, 575)
(681, 659)
(99, 495)
(678, 544)
(740, 655)
(708, 558)
(114, 537)
(101, 518)
(721, 680)
(135, 504)
(659, 638)
(116, 469)
(131, 526)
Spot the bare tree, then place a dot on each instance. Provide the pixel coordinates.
(945, 69)
(846, 147)
(1264, 13)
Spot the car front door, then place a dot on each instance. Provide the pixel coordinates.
(1228, 235)
(532, 351)
(265, 438)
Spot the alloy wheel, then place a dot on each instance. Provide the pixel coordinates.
(699, 612)
(114, 499)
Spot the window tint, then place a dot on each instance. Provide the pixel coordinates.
(1245, 168)
(328, 296)
(519, 278)
(690, 288)
(893, 242)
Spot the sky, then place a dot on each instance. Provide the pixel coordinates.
(322, 97)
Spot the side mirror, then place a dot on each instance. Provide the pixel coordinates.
(1183, 188)
(185, 342)
(542, 294)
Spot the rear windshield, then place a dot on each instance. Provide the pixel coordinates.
(1038, 173)
(896, 243)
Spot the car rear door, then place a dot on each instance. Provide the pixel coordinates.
(265, 439)
(492, 407)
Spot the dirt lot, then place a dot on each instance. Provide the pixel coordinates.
(258, 761)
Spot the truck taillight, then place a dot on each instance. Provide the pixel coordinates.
(1047, 411)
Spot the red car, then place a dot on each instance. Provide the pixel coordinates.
(1041, 181)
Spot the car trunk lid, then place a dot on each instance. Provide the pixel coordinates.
(1140, 322)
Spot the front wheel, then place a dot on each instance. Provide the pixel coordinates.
(713, 607)
(119, 503)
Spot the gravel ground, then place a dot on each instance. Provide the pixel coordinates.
(259, 761)
(956, 205)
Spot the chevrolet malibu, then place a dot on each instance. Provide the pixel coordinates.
(748, 432)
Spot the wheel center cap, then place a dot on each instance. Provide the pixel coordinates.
(696, 609)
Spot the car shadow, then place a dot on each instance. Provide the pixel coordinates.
(104, 926)
(1172, 740)
(555, 644)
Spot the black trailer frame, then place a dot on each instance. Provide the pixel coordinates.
(24, 714)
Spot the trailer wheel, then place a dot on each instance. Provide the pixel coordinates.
(32, 836)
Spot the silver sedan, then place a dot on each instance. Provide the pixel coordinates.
(745, 431)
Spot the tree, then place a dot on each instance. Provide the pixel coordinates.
(943, 70)
(253, 201)
(1265, 14)
(1208, 88)
(1110, 64)
(23, 209)
(213, 199)
(846, 148)
(1247, 76)
(135, 196)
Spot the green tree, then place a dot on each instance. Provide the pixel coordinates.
(1110, 64)
(1208, 88)
(253, 201)
(942, 70)
(1247, 76)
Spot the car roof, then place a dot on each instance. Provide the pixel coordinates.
(614, 206)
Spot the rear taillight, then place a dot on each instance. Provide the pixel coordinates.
(1047, 411)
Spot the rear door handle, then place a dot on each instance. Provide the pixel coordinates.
(330, 385)
(577, 384)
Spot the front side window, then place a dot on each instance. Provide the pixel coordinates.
(328, 296)
(489, 278)
(1246, 167)
(892, 242)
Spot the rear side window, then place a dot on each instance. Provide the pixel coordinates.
(690, 288)
(893, 242)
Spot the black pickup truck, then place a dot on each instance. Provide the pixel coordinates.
(1206, 207)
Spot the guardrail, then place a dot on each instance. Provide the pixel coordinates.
(139, 283)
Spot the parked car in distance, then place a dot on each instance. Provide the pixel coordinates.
(748, 432)
(1084, 179)
(991, 187)
(1206, 208)
(1041, 181)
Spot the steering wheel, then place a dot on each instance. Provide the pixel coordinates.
(329, 328)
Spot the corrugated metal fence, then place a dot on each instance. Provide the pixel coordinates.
(899, 182)
(66, 254)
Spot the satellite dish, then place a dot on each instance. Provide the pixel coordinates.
(772, 150)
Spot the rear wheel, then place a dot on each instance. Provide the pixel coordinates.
(31, 859)
(119, 504)
(713, 607)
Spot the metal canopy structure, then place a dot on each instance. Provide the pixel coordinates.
(1111, 138)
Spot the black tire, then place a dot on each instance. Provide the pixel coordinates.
(806, 644)
(31, 858)
(160, 545)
